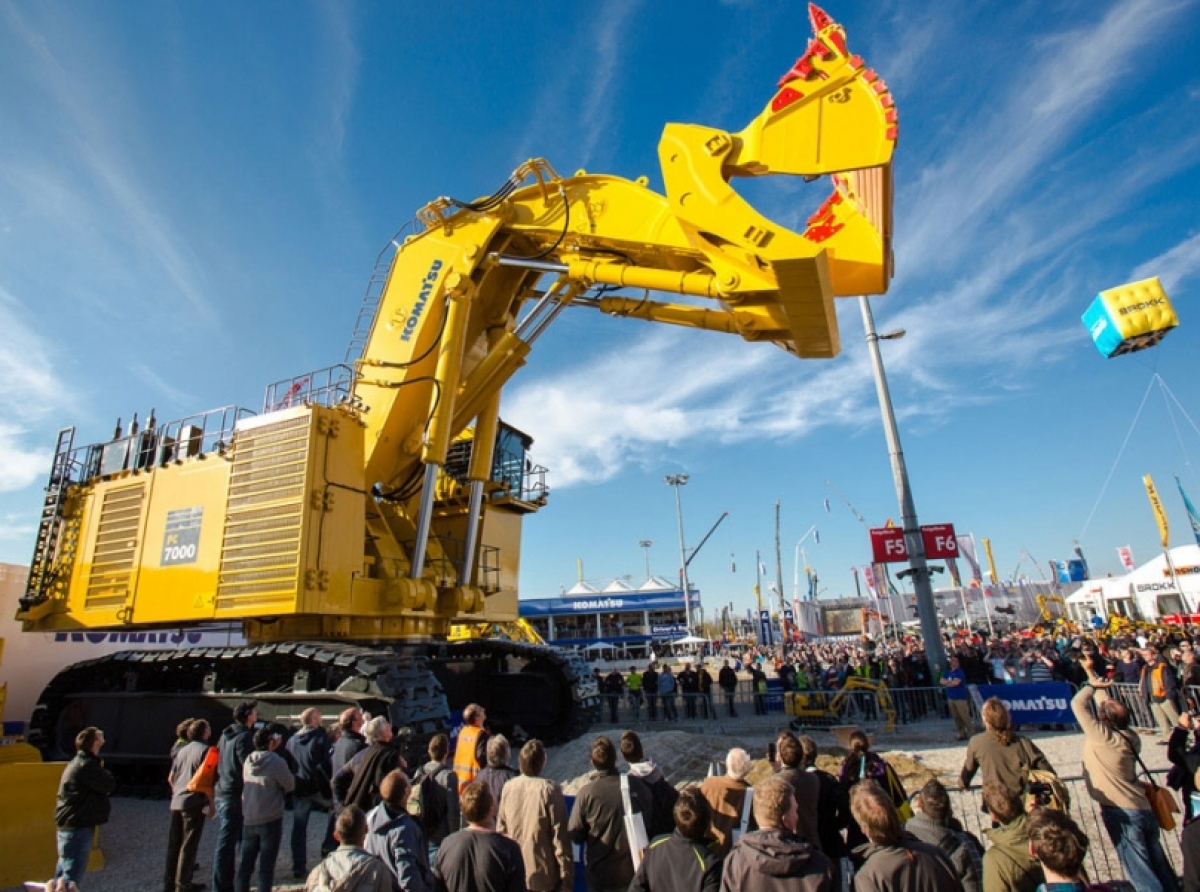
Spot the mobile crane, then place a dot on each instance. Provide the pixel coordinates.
(366, 523)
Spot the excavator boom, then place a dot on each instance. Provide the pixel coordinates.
(381, 501)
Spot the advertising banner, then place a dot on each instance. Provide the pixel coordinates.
(1030, 704)
(766, 635)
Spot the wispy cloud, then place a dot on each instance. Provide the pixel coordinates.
(595, 60)
(1174, 267)
(1006, 303)
(15, 528)
(179, 399)
(339, 77)
(1061, 81)
(99, 124)
(31, 390)
(602, 96)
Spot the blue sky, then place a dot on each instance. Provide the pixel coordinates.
(192, 197)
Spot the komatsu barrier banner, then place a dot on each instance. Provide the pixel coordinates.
(1030, 704)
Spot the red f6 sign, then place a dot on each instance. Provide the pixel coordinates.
(887, 543)
(940, 543)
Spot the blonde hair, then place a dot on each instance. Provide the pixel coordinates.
(772, 799)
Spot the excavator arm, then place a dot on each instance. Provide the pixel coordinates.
(381, 507)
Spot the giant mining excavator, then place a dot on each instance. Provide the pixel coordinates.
(363, 528)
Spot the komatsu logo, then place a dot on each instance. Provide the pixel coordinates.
(414, 317)
(1036, 704)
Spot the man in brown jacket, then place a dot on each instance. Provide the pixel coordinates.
(726, 795)
(1110, 756)
(533, 813)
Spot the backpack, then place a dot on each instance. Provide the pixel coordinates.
(427, 802)
(1043, 789)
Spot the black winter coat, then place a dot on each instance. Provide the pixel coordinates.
(236, 744)
(309, 749)
(83, 794)
(598, 823)
(674, 863)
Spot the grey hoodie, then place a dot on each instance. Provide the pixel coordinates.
(775, 860)
(267, 779)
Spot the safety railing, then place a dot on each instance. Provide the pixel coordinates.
(807, 709)
(1102, 863)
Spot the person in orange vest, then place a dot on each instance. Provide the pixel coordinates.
(471, 753)
(1160, 689)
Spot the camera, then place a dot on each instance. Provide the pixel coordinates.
(1041, 793)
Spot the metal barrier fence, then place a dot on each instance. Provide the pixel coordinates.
(911, 705)
(1141, 715)
(1102, 863)
(809, 708)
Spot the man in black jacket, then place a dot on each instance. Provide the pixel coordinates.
(236, 743)
(309, 749)
(833, 807)
(689, 685)
(350, 741)
(661, 790)
(82, 804)
(358, 781)
(728, 681)
(598, 821)
(682, 861)
(650, 691)
(806, 787)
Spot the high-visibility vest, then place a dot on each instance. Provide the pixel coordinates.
(466, 766)
(1158, 687)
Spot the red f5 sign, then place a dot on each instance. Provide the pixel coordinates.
(887, 545)
(940, 543)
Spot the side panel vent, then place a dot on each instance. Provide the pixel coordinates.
(260, 551)
(116, 547)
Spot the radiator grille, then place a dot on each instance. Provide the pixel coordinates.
(260, 549)
(116, 547)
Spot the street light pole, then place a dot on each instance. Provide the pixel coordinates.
(645, 544)
(678, 480)
(935, 653)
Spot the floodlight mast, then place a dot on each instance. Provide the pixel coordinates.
(678, 480)
(919, 570)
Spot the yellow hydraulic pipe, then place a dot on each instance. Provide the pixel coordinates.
(701, 283)
(449, 367)
(487, 378)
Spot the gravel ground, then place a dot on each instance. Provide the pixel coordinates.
(134, 841)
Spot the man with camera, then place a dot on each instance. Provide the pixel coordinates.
(1110, 763)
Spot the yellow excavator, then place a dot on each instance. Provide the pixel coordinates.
(363, 527)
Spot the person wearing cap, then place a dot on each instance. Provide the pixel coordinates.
(266, 781)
